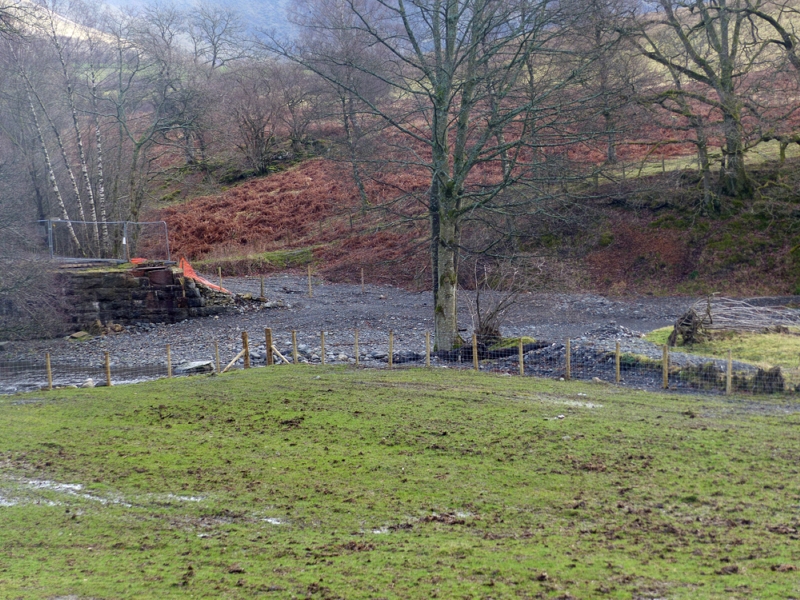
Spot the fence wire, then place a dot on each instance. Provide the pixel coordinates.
(583, 361)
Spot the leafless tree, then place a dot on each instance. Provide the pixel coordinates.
(713, 57)
(459, 75)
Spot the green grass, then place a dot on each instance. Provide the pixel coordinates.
(764, 349)
(282, 259)
(405, 484)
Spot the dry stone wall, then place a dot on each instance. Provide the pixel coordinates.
(155, 295)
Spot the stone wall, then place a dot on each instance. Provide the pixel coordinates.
(153, 295)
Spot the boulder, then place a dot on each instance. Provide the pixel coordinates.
(194, 367)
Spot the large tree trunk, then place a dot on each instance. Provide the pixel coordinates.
(733, 178)
(445, 309)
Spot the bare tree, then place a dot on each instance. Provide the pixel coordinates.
(458, 72)
(711, 53)
(255, 105)
(217, 35)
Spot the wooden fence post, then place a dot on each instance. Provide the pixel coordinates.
(49, 371)
(617, 373)
(355, 348)
(268, 343)
(322, 347)
(216, 356)
(568, 372)
(310, 290)
(262, 287)
(729, 375)
(475, 362)
(108, 370)
(219, 272)
(665, 367)
(427, 349)
(521, 358)
(294, 347)
(169, 361)
(391, 347)
(246, 350)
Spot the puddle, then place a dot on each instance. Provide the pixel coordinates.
(274, 521)
(572, 403)
(184, 498)
(5, 501)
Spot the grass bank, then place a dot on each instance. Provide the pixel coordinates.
(764, 349)
(335, 483)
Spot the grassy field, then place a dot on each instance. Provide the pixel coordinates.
(335, 483)
(764, 349)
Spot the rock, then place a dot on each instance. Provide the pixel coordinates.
(407, 356)
(4, 346)
(80, 336)
(247, 296)
(192, 367)
(96, 328)
(89, 383)
(303, 349)
(274, 304)
(342, 356)
(378, 355)
(115, 327)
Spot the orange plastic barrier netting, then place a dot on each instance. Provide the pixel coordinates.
(189, 272)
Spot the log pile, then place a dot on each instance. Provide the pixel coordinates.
(726, 314)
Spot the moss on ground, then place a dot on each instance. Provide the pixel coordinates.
(511, 342)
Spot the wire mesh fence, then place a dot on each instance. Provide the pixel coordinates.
(104, 240)
(599, 362)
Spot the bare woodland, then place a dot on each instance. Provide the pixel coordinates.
(505, 111)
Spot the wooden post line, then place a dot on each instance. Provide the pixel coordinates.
(268, 346)
(321, 345)
(219, 272)
(294, 346)
(568, 371)
(427, 349)
(521, 358)
(49, 371)
(617, 374)
(665, 367)
(169, 361)
(355, 346)
(475, 363)
(729, 375)
(108, 370)
(391, 347)
(216, 356)
(246, 350)
(262, 287)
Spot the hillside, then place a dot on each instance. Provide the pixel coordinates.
(640, 236)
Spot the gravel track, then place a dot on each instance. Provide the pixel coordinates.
(338, 309)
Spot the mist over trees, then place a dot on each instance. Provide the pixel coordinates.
(506, 110)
